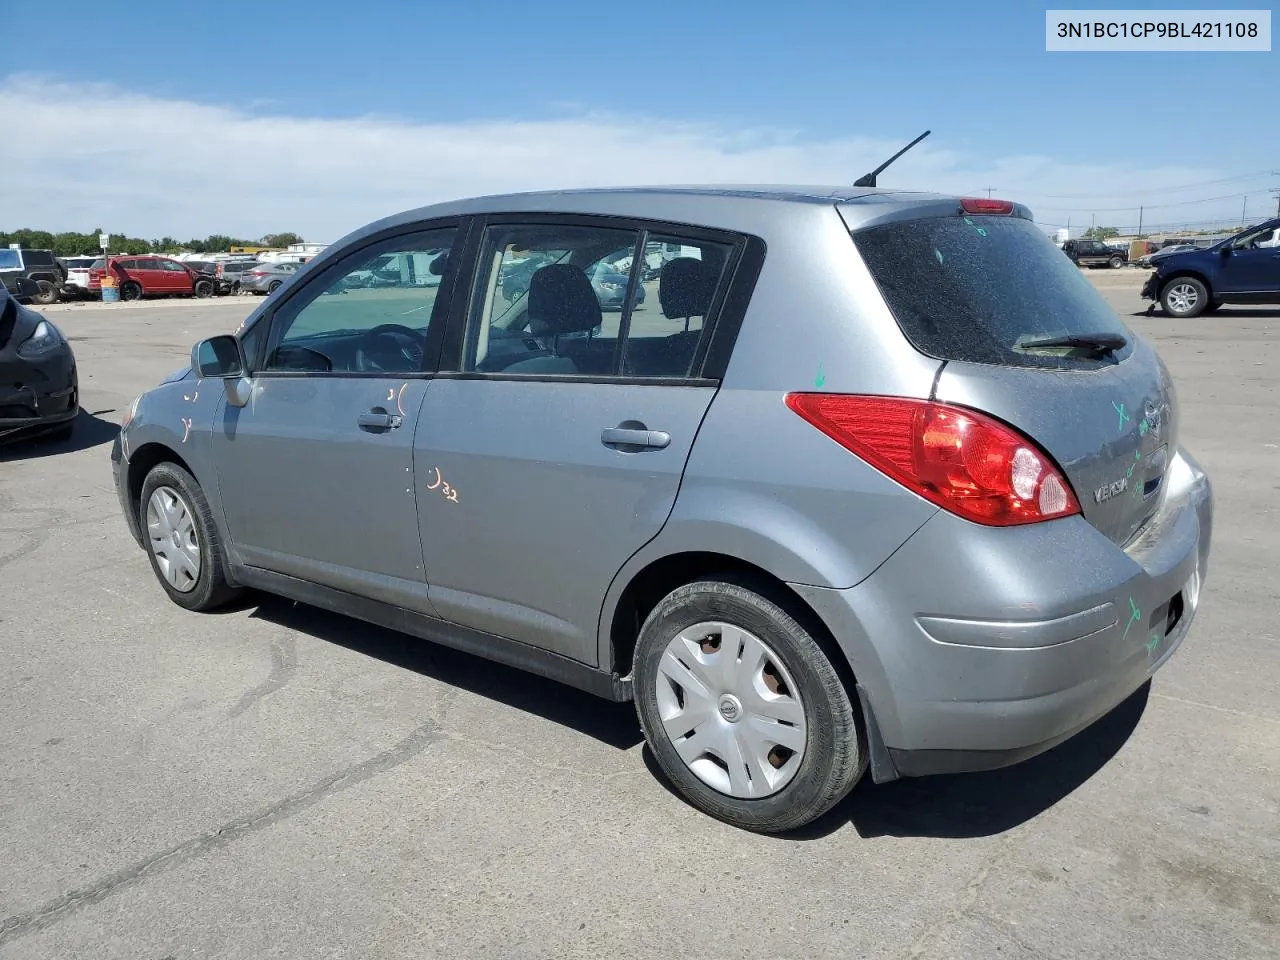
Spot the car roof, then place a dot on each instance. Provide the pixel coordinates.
(749, 208)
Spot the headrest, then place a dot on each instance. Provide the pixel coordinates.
(562, 300)
(685, 288)
(437, 266)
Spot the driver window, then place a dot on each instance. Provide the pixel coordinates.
(370, 316)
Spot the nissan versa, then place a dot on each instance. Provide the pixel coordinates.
(871, 480)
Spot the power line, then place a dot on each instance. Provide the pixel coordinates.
(1153, 190)
(1151, 206)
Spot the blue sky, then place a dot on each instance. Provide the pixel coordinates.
(773, 84)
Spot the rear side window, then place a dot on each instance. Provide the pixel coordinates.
(976, 289)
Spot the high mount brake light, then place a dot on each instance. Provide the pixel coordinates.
(964, 461)
(986, 205)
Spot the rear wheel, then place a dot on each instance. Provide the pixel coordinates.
(48, 293)
(182, 542)
(130, 291)
(743, 711)
(1184, 297)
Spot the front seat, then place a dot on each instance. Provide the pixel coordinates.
(561, 300)
(685, 288)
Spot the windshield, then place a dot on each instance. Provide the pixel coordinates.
(9, 259)
(977, 289)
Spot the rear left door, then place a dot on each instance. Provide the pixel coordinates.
(555, 448)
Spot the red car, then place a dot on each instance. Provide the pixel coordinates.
(151, 276)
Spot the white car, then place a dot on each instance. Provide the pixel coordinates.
(77, 283)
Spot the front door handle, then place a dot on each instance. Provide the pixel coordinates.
(379, 419)
(624, 437)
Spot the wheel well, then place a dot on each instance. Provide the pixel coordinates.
(1186, 273)
(650, 585)
(141, 463)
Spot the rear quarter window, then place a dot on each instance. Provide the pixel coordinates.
(974, 289)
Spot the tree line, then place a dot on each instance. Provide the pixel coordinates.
(71, 244)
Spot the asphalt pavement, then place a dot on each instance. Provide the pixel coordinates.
(276, 781)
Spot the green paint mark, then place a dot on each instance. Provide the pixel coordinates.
(1134, 616)
(1153, 642)
(1138, 455)
(1129, 473)
(1143, 427)
(938, 254)
(821, 378)
(982, 231)
(1119, 408)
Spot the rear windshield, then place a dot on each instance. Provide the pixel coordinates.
(976, 288)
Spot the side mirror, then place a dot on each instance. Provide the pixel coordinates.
(218, 358)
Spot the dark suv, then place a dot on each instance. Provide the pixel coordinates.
(40, 266)
(1093, 253)
(1241, 269)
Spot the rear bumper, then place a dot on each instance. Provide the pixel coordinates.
(979, 647)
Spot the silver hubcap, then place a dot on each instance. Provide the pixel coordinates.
(731, 710)
(1183, 297)
(171, 530)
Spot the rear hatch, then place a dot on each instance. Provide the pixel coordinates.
(975, 291)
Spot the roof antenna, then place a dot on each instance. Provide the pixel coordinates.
(870, 179)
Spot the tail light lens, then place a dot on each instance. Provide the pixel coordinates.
(978, 205)
(962, 460)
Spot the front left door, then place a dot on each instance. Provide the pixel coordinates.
(1251, 269)
(316, 471)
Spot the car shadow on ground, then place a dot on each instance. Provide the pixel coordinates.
(611, 723)
(90, 431)
(964, 806)
(1234, 312)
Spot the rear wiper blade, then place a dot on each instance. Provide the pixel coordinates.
(1097, 342)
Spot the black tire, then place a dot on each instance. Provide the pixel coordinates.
(1174, 294)
(274, 285)
(211, 589)
(834, 756)
(1116, 262)
(203, 288)
(130, 291)
(48, 292)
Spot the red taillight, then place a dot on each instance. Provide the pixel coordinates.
(986, 205)
(962, 460)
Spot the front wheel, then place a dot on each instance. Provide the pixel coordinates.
(182, 542)
(742, 708)
(274, 285)
(1184, 297)
(203, 288)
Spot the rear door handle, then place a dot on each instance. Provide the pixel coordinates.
(623, 437)
(379, 420)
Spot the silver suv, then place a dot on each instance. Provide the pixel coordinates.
(871, 480)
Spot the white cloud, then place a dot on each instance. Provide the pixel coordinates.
(76, 156)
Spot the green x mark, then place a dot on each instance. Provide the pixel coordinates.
(1124, 417)
(1134, 616)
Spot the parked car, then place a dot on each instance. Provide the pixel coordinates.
(265, 278)
(39, 385)
(212, 270)
(1094, 253)
(150, 276)
(39, 266)
(819, 513)
(231, 271)
(76, 286)
(607, 280)
(1155, 256)
(1244, 268)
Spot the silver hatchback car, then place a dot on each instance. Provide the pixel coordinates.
(870, 481)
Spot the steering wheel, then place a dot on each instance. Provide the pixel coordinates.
(391, 347)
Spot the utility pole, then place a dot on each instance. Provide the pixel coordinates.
(1277, 195)
(1244, 206)
(1140, 221)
